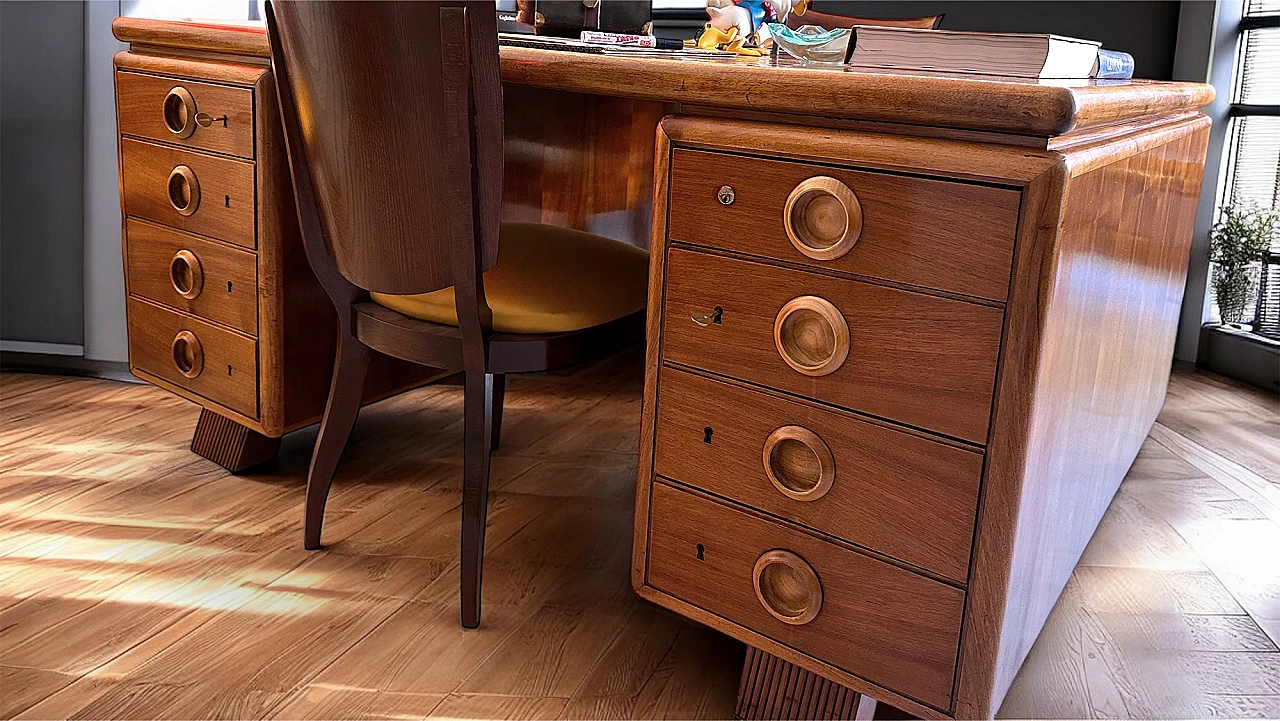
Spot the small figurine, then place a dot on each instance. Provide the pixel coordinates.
(713, 38)
(750, 18)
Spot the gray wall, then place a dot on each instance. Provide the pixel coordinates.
(1206, 53)
(105, 336)
(42, 176)
(1147, 29)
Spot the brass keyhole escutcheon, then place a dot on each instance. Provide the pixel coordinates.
(188, 355)
(725, 195)
(799, 463)
(823, 218)
(180, 112)
(186, 274)
(787, 587)
(811, 335)
(715, 317)
(205, 120)
(184, 190)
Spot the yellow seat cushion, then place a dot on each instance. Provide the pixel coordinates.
(547, 280)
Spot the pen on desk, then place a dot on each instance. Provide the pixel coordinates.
(640, 41)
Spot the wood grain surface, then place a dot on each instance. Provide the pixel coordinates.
(774, 690)
(1004, 105)
(230, 275)
(140, 104)
(579, 161)
(118, 544)
(230, 444)
(925, 361)
(289, 313)
(227, 194)
(1091, 322)
(905, 495)
(908, 627)
(230, 373)
(948, 236)
(144, 581)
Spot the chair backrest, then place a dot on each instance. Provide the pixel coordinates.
(831, 22)
(393, 121)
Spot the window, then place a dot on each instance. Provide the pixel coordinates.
(1253, 144)
(193, 9)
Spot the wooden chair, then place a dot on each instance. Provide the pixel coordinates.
(392, 115)
(831, 22)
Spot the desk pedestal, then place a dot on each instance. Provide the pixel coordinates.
(780, 691)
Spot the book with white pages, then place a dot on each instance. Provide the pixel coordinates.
(1010, 54)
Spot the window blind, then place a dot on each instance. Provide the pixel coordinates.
(1253, 150)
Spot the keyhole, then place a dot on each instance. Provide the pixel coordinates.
(701, 550)
(717, 315)
(228, 286)
(228, 370)
(706, 434)
(227, 202)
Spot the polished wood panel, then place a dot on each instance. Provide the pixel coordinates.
(579, 161)
(868, 146)
(905, 495)
(908, 627)
(1003, 105)
(230, 444)
(948, 236)
(222, 207)
(1097, 290)
(773, 690)
(193, 114)
(943, 385)
(1080, 304)
(220, 365)
(213, 280)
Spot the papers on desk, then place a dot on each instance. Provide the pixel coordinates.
(546, 42)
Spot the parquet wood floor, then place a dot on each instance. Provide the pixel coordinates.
(139, 581)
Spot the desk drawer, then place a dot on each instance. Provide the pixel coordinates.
(212, 362)
(918, 359)
(202, 277)
(939, 234)
(186, 112)
(875, 620)
(894, 492)
(191, 191)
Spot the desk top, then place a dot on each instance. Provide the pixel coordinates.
(1043, 109)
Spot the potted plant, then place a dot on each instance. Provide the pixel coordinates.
(1238, 243)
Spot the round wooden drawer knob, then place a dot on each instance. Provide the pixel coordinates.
(799, 463)
(180, 112)
(188, 356)
(184, 190)
(811, 335)
(186, 274)
(823, 218)
(788, 587)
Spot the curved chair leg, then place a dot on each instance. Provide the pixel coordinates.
(345, 394)
(499, 397)
(475, 489)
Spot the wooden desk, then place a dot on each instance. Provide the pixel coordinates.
(906, 332)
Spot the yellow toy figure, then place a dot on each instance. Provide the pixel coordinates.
(743, 23)
(713, 38)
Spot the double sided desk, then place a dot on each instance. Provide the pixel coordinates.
(906, 333)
